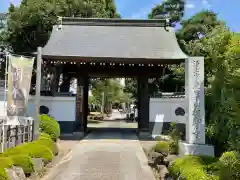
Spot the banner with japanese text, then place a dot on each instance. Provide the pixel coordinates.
(19, 81)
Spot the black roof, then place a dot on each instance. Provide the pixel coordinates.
(118, 40)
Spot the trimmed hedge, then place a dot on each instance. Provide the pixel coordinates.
(5, 162)
(44, 147)
(44, 135)
(50, 126)
(48, 142)
(24, 161)
(192, 168)
(33, 149)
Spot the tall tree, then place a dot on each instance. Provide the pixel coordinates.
(173, 9)
(112, 91)
(30, 24)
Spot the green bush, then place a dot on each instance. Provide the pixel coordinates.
(230, 166)
(33, 149)
(192, 168)
(5, 162)
(50, 126)
(44, 135)
(162, 147)
(48, 142)
(24, 161)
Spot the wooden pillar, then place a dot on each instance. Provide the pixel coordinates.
(85, 97)
(64, 87)
(79, 121)
(55, 80)
(143, 103)
(81, 104)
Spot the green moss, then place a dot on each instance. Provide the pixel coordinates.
(24, 161)
(162, 147)
(50, 126)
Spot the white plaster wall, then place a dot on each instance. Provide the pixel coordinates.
(163, 110)
(61, 108)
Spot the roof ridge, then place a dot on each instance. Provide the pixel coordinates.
(114, 22)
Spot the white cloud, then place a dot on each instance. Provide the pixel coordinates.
(190, 6)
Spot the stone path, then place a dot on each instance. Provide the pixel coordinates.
(104, 156)
(113, 124)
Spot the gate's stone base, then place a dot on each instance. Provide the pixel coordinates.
(195, 149)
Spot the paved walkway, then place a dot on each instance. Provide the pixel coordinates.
(104, 156)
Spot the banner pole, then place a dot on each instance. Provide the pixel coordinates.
(5, 100)
(36, 121)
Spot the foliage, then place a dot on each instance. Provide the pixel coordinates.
(173, 9)
(5, 162)
(49, 143)
(209, 168)
(30, 24)
(131, 87)
(21, 155)
(112, 91)
(32, 149)
(230, 166)
(192, 167)
(197, 26)
(162, 147)
(50, 126)
(223, 89)
(174, 133)
(24, 161)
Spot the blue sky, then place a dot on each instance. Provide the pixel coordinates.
(229, 11)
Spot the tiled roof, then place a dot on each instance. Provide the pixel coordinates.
(113, 39)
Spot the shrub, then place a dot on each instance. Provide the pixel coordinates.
(36, 150)
(48, 142)
(191, 168)
(162, 147)
(5, 162)
(44, 135)
(50, 126)
(33, 149)
(230, 166)
(24, 161)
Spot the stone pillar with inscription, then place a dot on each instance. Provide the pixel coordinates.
(79, 120)
(195, 109)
